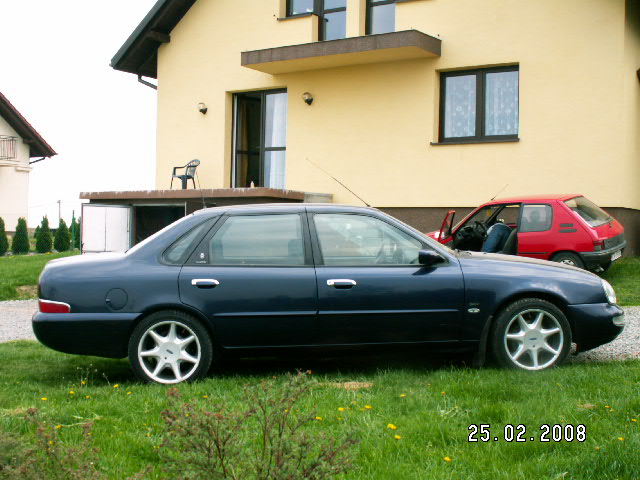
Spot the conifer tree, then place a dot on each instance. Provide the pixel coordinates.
(62, 240)
(4, 242)
(44, 239)
(20, 243)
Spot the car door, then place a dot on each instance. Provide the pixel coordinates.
(534, 225)
(371, 288)
(253, 277)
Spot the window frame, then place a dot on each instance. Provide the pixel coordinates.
(369, 14)
(541, 204)
(192, 260)
(320, 12)
(480, 136)
(317, 249)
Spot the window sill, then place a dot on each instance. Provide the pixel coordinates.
(293, 17)
(472, 142)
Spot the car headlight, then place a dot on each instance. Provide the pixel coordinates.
(609, 292)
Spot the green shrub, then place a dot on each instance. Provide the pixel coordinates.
(44, 240)
(266, 440)
(62, 240)
(20, 243)
(4, 242)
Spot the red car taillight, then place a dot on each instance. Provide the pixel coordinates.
(49, 306)
(598, 245)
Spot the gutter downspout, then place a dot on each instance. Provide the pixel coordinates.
(148, 84)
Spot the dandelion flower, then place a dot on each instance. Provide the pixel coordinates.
(397, 437)
(402, 395)
(83, 382)
(116, 385)
(634, 420)
(128, 393)
(368, 407)
(341, 409)
(443, 393)
(44, 399)
(447, 459)
(58, 427)
(205, 396)
(607, 406)
(392, 426)
(50, 442)
(598, 449)
(621, 439)
(71, 392)
(319, 418)
(87, 397)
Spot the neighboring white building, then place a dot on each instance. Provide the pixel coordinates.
(19, 143)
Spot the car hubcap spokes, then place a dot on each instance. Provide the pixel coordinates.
(534, 339)
(567, 261)
(169, 352)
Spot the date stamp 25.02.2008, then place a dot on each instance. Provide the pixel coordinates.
(521, 433)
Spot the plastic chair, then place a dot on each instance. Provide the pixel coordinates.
(189, 173)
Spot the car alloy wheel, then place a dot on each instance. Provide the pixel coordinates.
(533, 339)
(170, 348)
(531, 334)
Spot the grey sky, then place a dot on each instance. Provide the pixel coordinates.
(54, 68)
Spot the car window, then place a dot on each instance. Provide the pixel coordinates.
(352, 240)
(482, 215)
(509, 215)
(536, 218)
(588, 210)
(178, 252)
(258, 240)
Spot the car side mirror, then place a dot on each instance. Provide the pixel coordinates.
(428, 258)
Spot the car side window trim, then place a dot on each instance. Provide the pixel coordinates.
(541, 204)
(193, 245)
(317, 251)
(195, 259)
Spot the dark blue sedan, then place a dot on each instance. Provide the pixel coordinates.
(303, 275)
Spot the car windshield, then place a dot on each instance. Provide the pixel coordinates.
(589, 211)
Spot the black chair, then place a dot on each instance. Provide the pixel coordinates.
(189, 174)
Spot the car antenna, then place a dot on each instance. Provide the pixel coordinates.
(502, 190)
(324, 171)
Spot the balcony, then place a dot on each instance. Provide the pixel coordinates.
(8, 151)
(387, 47)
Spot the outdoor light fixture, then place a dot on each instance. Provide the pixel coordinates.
(307, 97)
(202, 108)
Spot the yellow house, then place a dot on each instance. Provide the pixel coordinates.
(416, 106)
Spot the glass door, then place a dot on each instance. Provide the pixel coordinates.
(260, 136)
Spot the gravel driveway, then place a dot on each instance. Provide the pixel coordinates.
(15, 324)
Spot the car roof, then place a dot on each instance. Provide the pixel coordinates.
(535, 198)
(271, 207)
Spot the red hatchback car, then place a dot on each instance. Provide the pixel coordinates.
(563, 228)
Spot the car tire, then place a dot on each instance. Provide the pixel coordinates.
(531, 334)
(568, 258)
(170, 347)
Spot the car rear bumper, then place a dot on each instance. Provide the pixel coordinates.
(595, 324)
(596, 259)
(97, 334)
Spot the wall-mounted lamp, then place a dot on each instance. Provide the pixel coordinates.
(307, 97)
(202, 108)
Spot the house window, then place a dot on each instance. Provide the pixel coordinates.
(381, 16)
(479, 105)
(7, 147)
(260, 137)
(332, 14)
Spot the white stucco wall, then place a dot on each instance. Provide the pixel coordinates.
(14, 181)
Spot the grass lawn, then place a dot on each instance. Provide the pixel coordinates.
(23, 271)
(432, 405)
(624, 275)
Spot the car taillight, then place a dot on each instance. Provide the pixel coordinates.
(597, 245)
(49, 306)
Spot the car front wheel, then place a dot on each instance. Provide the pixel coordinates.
(531, 334)
(170, 347)
(568, 258)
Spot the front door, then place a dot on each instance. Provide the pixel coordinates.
(253, 277)
(260, 137)
(372, 290)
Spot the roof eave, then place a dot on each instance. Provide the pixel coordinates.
(38, 146)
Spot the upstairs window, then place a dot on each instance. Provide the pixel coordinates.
(479, 105)
(381, 16)
(332, 14)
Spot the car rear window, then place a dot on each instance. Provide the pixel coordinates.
(589, 211)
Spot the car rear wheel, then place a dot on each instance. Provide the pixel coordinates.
(170, 347)
(568, 258)
(531, 334)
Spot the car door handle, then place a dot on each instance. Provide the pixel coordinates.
(205, 282)
(341, 283)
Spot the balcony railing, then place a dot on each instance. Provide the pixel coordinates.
(7, 147)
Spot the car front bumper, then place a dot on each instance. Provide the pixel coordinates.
(595, 324)
(97, 334)
(596, 259)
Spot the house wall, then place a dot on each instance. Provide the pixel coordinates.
(14, 181)
(372, 125)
